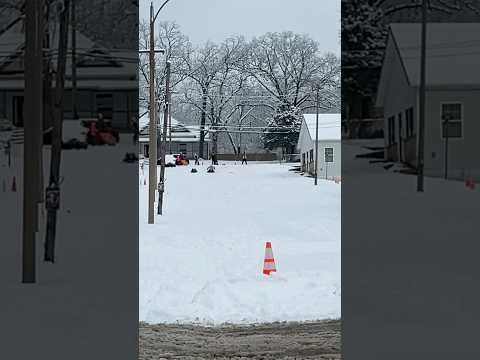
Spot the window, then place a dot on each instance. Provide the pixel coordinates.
(391, 130)
(400, 126)
(311, 155)
(452, 118)
(409, 122)
(328, 155)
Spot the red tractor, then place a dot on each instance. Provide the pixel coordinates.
(181, 159)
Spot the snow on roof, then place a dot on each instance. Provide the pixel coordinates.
(93, 62)
(180, 132)
(329, 126)
(453, 52)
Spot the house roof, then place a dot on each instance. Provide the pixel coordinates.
(329, 126)
(180, 132)
(453, 53)
(94, 64)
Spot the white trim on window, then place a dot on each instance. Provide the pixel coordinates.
(461, 121)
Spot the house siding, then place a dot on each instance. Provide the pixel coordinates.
(306, 149)
(404, 97)
(462, 161)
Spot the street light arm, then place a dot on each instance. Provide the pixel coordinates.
(161, 7)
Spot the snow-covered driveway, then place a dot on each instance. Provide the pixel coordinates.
(202, 260)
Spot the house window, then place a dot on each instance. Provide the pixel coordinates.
(182, 148)
(391, 130)
(311, 155)
(400, 126)
(452, 119)
(328, 155)
(409, 122)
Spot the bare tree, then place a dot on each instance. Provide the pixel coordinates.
(285, 64)
(177, 50)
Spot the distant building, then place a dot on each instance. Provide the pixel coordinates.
(329, 144)
(106, 80)
(185, 139)
(453, 93)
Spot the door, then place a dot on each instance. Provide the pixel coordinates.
(104, 103)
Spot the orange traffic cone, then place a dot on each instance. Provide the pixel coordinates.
(269, 261)
(14, 184)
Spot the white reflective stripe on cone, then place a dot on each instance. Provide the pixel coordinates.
(268, 253)
(269, 265)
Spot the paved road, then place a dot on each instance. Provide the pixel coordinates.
(279, 341)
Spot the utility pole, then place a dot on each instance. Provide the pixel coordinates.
(53, 190)
(163, 147)
(316, 135)
(422, 95)
(73, 19)
(152, 149)
(33, 127)
(170, 125)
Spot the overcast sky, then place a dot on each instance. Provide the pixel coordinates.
(203, 20)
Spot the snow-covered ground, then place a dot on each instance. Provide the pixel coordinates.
(409, 264)
(202, 260)
(85, 305)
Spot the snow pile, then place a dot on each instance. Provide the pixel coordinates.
(202, 261)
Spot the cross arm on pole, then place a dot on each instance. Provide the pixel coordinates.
(161, 51)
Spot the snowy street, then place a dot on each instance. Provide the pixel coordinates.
(202, 260)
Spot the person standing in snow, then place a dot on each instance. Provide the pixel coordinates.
(214, 158)
(100, 122)
(244, 158)
(196, 159)
(135, 129)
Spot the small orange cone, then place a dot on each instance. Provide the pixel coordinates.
(269, 261)
(14, 184)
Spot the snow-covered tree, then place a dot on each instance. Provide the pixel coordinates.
(282, 130)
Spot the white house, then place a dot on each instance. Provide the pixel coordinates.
(107, 80)
(452, 94)
(185, 139)
(329, 144)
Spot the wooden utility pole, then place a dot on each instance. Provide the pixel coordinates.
(33, 127)
(316, 135)
(163, 146)
(422, 95)
(56, 151)
(73, 19)
(152, 149)
(203, 121)
(170, 126)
